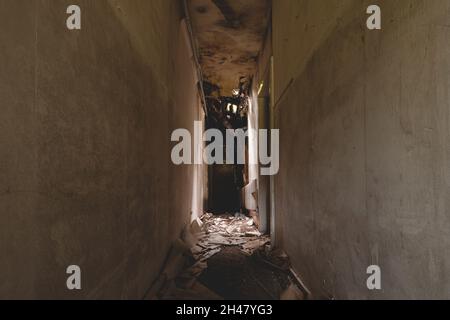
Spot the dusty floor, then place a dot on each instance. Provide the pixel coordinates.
(225, 257)
(236, 276)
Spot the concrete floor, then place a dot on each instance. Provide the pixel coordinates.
(236, 276)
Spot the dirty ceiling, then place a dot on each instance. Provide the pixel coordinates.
(229, 34)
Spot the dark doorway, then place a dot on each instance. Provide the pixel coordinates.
(225, 195)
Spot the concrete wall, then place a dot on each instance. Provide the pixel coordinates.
(365, 163)
(85, 127)
(186, 180)
(260, 98)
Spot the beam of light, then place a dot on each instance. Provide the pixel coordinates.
(261, 86)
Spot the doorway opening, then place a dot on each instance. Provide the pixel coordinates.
(226, 181)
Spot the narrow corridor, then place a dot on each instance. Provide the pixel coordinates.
(224, 149)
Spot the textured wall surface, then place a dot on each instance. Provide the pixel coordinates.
(365, 174)
(85, 145)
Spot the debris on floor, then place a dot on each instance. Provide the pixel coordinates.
(252, 245)
(225, 257)
(228, 230)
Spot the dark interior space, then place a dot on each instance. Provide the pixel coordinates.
(225, 193)
(105, 188)
(227, 180)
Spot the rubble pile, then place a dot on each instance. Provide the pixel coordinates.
(226, 230)
(201, 241)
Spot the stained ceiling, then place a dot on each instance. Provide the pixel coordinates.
(229, 35)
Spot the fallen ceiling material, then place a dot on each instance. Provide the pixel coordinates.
(212, 236)
(227, 230)
(229, 112)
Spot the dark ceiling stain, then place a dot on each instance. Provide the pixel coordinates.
(231, 19)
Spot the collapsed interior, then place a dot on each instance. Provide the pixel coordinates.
(86, 176)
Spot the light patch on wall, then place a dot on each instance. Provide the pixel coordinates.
(261, 87)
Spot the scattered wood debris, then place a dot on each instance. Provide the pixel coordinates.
(250, 246)
(237, 230)
(207, 237)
